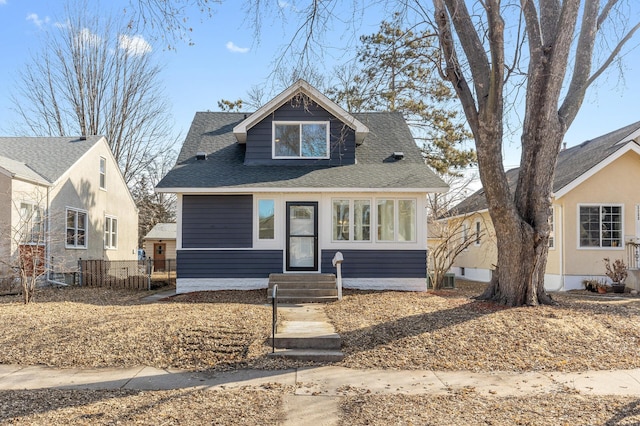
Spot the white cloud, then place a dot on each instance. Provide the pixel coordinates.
(134, 45)
(231, 46)
(3, 2)
(86, 37)
(33, 17)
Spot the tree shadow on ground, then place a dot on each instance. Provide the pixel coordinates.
(628, 414)
(388, 332)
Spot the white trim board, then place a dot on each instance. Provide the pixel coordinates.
(630, 146)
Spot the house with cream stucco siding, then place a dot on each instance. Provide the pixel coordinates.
(595, 214)
(67, 196)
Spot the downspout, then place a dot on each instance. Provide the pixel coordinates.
(561, 247)
(47, 239)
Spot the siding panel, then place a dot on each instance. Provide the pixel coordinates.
(228, 263)
(342, 139)
(217, 221)
(378, 263)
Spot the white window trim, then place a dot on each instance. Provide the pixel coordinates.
(277, 215)
(102, 173)
(300, 123)
(352, 224)
(30, 223)
(107, 241)
(465, 235)
(396, 220)
(86, 228)
(619, 248)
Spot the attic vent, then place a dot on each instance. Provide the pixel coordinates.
(398, 155)
(200, 155)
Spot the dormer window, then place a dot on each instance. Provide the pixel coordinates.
(309, 139)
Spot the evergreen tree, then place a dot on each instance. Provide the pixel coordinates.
(396, 73)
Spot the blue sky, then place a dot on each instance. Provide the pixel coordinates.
(226, 61)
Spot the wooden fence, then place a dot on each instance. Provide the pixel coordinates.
(124, 274)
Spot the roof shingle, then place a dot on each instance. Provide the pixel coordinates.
(211, 132)
(572, 163)
(49, 157)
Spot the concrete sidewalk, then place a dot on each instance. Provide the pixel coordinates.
(327, 380)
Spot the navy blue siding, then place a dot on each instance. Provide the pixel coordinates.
(378, 263)
(228, 263)
(217, 221)
(259, 137)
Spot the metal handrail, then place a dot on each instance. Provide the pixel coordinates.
(274, 318)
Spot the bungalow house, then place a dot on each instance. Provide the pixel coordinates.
(285, 188)
(595, 214)
(65, 197)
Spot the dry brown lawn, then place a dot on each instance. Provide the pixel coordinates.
(125, 407)
(445, 330)
(448, 330)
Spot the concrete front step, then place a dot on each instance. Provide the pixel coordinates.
(302, 284)
(317, 355)
(303, 288)
(304, 341)
(306, 292)
(299, 300)
(282, 278)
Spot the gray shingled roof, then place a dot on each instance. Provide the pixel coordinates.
(211, 132)
(162, 231)
(572, 163)
(49, 157)
(21, 170)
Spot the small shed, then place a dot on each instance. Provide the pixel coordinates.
(160, 244)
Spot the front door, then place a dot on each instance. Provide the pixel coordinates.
(302, 236)
(159, 256)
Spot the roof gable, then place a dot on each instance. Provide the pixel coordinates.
(300, 86)
(574, 165)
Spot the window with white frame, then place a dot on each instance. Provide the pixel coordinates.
(266, 219)
(76, 228)
(300, 139)
(103, 173)
(600, 226)
(110, 232)
(396, 220)
(351, 220)
(478, 233)
(31, 227)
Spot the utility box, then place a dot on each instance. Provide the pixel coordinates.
(449, 281)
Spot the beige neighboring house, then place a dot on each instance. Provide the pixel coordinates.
(160, 245)
(66, 195)
(596, 214)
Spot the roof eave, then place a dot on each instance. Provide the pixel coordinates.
(248, 190)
